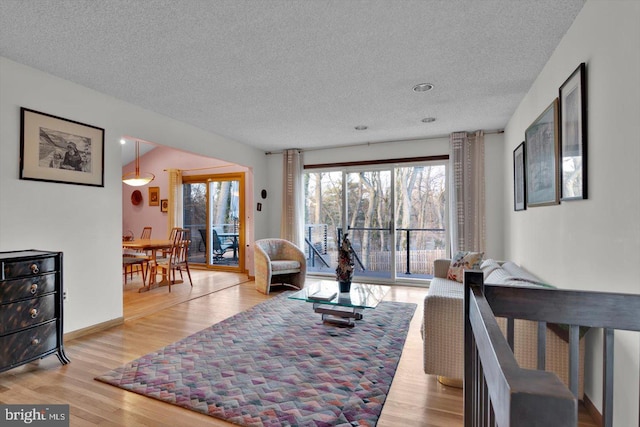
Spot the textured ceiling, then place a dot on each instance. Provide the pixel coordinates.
(282, 73)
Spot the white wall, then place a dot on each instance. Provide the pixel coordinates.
(592, 244)
(86, 222)
(494, 147)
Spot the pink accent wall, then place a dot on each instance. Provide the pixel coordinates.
(134, 218)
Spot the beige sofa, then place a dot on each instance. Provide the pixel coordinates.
(443, 327)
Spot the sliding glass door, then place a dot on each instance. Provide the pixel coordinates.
(369, 220)
(212, 209)
(395, 216)
(420, 218)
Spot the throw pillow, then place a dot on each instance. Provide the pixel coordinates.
(463, 260)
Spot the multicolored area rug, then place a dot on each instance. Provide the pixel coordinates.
(277, 364)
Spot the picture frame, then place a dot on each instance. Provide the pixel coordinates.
(55, 149)
(164, 205)
(573, 135)
(154, 196)
(541, 157)
(519, 178)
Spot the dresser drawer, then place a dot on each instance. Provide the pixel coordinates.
(28, 287)
(23, 314)
(23, 268)
(25, 345)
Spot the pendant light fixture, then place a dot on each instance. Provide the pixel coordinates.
(137, 179)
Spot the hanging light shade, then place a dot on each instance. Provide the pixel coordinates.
(137, 179)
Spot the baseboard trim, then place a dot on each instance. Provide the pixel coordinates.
(94, 328)
(593, 412)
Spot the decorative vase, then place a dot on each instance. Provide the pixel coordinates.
(344, 272)
(345, 286)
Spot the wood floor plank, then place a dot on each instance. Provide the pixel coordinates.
(157, 318)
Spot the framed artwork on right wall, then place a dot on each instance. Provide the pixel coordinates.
(519, 179)
(541, 146)
(573, 135)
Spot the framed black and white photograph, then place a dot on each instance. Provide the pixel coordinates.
(541, 157)
(519, 179)
(573, 135)
(60, 150)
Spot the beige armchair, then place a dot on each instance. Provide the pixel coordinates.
(278, 261)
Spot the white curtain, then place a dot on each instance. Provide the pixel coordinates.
(468, 229)
(292, 225)
(175, 199)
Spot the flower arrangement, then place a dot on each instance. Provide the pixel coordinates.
(344, 272)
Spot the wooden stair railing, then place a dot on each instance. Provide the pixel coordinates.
(497, 392)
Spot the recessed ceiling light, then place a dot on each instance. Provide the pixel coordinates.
(361, 127)
(422, 87)
(429, 120)
(123, 141)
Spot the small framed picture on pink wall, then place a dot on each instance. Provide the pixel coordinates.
(164, 205)
(154, 196)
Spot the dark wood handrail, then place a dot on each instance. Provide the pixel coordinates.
(583, 308)
(497, 391)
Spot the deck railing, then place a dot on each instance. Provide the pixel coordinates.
(416, 250)
(497, 392)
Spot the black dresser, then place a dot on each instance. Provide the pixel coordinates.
(30, 307)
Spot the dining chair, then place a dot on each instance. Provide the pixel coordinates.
(177, 259)
(129, 262)
(182, 258)
(137, 259)
(172, 236)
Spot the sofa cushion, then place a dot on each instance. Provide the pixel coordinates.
(499, 276)
(464, 260)
(488, 266)
(517, 271)
(511, 274)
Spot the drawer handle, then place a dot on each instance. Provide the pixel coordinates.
(35, 341)
(34, 288)
(35, 269)
(34, 313)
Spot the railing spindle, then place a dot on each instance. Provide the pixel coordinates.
(487, 404)
(607, 398)
(408, 252)
(511, 332)
(542, 345)
(574, 358)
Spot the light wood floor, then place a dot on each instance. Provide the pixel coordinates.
(415, 399)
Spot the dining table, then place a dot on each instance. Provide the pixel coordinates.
(152, 247)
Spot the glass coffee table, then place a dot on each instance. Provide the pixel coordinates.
(340, 308)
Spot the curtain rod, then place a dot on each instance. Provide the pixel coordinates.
(489, 132)
(200, 169)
